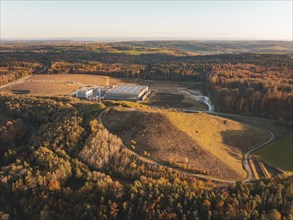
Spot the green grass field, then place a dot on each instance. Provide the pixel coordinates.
(279, 153)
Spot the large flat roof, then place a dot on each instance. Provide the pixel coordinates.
(128, 89)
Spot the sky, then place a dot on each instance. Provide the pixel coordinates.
(199, 20)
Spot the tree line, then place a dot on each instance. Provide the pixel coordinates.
(253, 89)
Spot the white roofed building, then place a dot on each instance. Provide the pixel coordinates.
(126, 92)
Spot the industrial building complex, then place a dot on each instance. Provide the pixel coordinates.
(120, 92)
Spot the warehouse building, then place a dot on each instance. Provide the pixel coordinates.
(84, 93)
(126, 92)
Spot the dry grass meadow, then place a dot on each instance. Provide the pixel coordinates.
(79, 78)
(201, 141)
(42, 88)
(58, 84)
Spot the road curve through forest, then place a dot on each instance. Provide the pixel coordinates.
(246, 156)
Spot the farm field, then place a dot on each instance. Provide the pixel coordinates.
(203, 142)
(279, 153)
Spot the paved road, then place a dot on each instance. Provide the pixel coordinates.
(246, 163)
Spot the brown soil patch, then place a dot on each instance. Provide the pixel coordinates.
(173, 94)
(168, 100)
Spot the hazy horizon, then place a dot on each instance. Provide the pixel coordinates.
(162, 20)
(134, 39)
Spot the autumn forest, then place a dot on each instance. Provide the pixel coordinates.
(59, 162)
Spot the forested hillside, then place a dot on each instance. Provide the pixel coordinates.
(247, 88)
(253, 84)
(73, 168)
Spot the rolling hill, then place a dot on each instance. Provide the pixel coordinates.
(200, 141)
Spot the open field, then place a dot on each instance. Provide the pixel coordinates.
(200, 141)
(57, 84)
(42, 88)
(80, 78)
(87, 79)
(279, 153)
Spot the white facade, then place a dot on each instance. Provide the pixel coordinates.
(84, 93)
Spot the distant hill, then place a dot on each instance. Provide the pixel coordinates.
(216, 47)
(178, 47)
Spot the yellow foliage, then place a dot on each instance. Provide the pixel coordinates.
(133, 165)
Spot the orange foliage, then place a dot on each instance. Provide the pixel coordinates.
(207, 203)
(54, 185)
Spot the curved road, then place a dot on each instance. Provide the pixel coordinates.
(246, 163)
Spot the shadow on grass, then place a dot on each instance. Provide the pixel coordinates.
(242, 139)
